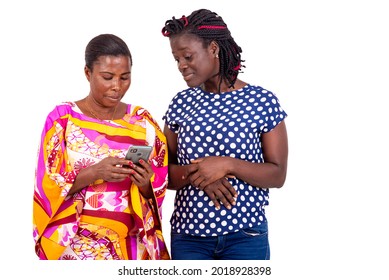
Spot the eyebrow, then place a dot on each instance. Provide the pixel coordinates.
(106, 72)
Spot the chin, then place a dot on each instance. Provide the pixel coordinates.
(192, 84)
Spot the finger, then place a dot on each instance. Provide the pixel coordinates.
(229, 187)
(197, 182)
(197, 160)
(116, 161)
(212, 196)
(139, 168)
(193, 177)
(146, 165)
(206, 181)
(135, 168)
(139, 180)
(226, 198)
(223, 199)
(125, 171)
(117, 177)
(190, 168)
(225, 202)
(143, 173)
(136, 178)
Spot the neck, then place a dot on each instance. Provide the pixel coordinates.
(109, 114)
(211, 87)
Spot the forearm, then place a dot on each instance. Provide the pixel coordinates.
(263, 175)
(84, 178)
(176, 173)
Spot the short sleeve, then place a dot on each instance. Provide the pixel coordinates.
(173, 113)
(271, 110)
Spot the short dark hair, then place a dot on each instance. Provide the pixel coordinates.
(209, 27)
(105, 44)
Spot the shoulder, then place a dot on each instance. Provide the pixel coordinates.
(184, 94)
(62, 109)
(137, 113)
(262, 93)
(256, 89)
(66, 106)
(60, 114)
(137, 110)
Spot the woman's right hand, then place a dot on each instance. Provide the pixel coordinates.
(112, 169)
(221, 191)
(109, 169)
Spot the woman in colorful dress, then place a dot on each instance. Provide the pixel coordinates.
(227, 146)
(90, 203)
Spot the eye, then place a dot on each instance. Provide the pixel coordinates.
(125, 76)
(107, 77)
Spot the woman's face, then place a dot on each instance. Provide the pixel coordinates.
(109, 79)
(196, 63)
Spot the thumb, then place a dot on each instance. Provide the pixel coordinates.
(198, 160)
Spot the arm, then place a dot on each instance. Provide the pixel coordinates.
(269, 174)
(108, 169)
(53, 179)
(219, 190)
(176, 172)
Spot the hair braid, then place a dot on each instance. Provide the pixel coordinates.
(209, 26)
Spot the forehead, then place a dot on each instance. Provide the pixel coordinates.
(186, 42)
(112, 62)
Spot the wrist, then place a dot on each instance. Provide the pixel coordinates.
(230, 167)
(93, 175)
(146, 191)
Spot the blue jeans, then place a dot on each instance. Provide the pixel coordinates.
(246, 244)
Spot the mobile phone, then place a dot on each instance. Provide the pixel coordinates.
(135, 153)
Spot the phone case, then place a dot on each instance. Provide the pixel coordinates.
(135, 153)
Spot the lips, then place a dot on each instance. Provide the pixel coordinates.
(188, 76)
(114, 97)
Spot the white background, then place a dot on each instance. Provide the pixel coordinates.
(327, 61)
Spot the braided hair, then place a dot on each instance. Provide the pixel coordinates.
(209, 26)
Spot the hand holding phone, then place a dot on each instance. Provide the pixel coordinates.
(136, 152)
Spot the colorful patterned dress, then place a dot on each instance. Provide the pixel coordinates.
(106, 220)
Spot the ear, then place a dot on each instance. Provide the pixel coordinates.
(88, 73)
(214, 48)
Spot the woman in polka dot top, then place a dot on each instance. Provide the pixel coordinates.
(227, 144)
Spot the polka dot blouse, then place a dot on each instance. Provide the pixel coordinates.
(226, 124)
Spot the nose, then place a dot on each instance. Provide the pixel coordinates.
(181, 64)
(116, 85)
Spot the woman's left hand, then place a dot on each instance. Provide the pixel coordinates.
(141, 175)
(221, 191)
(204, 171)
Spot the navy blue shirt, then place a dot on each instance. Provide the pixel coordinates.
(226, 124)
